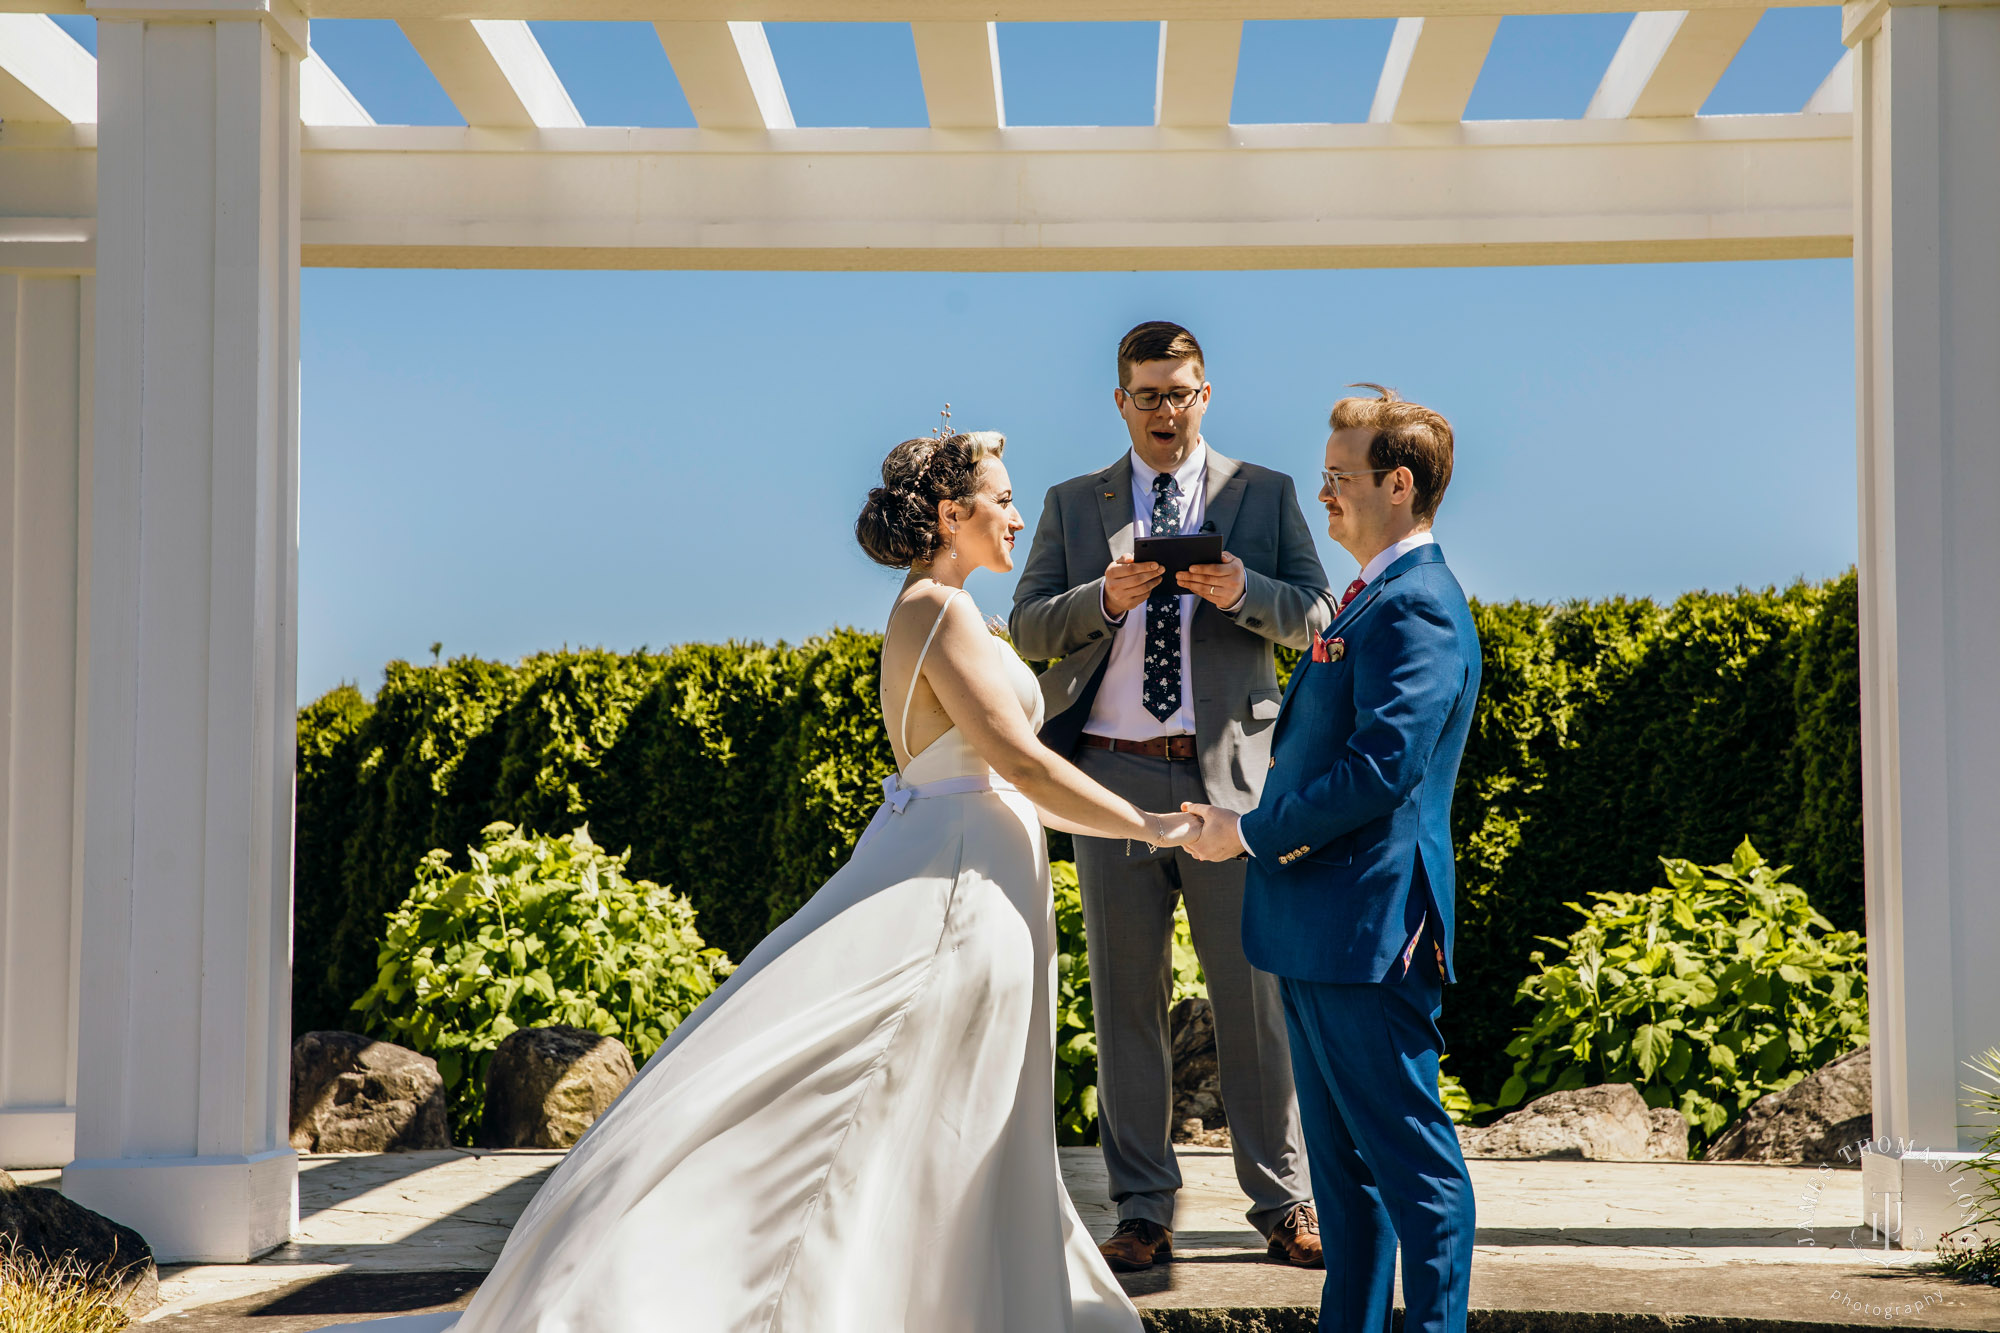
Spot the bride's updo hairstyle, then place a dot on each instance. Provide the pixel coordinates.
(898, 526)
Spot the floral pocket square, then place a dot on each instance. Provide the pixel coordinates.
(1329, 650)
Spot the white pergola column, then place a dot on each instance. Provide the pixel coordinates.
(184, 1039)
(1927, 303)
(44, 470)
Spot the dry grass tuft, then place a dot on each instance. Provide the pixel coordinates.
(63, 1297)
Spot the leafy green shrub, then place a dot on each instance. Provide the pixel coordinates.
(1076, 1029)
(1706, 993)
(539, 930)
(1612, 733)
(422, 756)
(1457, 1102)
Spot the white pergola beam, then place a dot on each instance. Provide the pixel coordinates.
(1048, 199)
(727, 74)
(1835, 93)
(45, 74)
(494, 71)
(966, 11)
(960, 67)
(1052, 199)
(1196, 81)
(324, 99)
(1670, 61)
(1432, 65)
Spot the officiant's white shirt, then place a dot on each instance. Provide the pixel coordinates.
(1119, 710)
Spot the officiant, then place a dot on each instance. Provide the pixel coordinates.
(1164, 689)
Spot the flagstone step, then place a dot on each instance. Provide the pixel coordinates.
(1562, 1247)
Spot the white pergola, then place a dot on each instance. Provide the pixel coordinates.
(152, 226)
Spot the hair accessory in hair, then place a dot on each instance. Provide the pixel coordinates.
(943, 429)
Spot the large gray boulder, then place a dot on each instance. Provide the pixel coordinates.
(1810, 1122)
(1606, 1123)
(1198, 1115)
(548, 1085)
(1667, 1135)
(59, 1233)
(351, 1093)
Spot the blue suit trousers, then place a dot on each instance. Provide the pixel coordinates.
(1385, 1161)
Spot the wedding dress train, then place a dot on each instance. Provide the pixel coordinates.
(856, 1133)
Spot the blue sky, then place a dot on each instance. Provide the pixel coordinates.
(506, 462)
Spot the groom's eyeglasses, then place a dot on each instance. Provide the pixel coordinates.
(1333, 479)
(1148, 399)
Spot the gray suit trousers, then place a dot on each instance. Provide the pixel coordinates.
(1128, 913)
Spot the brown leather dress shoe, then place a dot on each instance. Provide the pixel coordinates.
(1137, 1245)
(1295, 1240)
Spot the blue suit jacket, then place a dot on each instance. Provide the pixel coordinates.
(1351, 842)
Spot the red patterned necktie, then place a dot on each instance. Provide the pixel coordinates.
(1352, 590)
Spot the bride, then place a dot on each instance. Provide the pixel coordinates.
(856, 1133)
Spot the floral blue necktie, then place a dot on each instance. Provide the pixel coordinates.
(1162, 690)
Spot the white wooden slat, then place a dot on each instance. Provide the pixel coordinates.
(1196, 81)
(1836, 92)
(727, 74)
(494, 71)
(324, 99)
(960, 66)
(1670, 61)
(45, 74)
(1431, 68)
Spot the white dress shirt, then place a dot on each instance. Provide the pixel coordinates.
(1119, 710)
(1395, 551)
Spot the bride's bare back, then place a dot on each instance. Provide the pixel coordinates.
(910, 623)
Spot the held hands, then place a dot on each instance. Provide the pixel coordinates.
(1177, 829)
(1126, 584)
(1221, 584)
(1219, 840)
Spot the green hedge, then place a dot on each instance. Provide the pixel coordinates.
(1613, 733)
(740, 775)
(1609, 734)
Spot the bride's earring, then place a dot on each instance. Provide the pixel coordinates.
(954, 543)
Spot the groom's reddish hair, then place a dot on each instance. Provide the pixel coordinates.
(1406, 435)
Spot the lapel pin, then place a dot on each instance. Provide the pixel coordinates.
(1111, 495)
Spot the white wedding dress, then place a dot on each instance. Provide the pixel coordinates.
(856, 1133)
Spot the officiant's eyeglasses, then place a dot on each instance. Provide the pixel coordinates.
(1333, 479)
(1148, 399)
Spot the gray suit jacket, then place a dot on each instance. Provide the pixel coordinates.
(1059, 611)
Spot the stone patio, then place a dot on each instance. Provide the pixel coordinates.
(1561, 1246)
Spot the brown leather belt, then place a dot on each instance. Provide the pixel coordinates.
(1175, 748)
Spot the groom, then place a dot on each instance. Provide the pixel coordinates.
(1166, 692)
(1349, 898)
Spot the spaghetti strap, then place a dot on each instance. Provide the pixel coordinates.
(904, 728)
